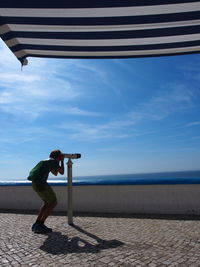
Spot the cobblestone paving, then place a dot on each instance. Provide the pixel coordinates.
(100, 241)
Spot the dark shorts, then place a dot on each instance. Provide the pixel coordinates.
(45, 192)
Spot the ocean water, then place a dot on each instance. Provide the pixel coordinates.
(161, 175)
(179, 177)
(140, 178)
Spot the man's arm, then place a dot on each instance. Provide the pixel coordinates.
(55, 172)
(61, 168)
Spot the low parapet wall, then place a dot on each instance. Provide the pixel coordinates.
(110, 198)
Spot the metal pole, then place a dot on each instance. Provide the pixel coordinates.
(70, 199)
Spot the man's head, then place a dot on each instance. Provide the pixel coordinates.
(55, 154)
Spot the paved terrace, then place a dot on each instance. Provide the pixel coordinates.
(100, 241)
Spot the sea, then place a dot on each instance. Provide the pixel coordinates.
(177, 177)
(116, 177)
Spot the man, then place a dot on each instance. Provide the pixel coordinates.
(39, 175)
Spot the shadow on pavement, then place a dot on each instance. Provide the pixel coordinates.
(57, 243)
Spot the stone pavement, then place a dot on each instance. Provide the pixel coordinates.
(100, 241)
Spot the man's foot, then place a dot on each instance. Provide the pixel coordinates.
(47, 228)
(33, 227)
(41, 229)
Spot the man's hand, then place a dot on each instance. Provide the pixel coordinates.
(61, 169)
(61, 157)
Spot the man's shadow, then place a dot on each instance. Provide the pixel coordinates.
(56, 243)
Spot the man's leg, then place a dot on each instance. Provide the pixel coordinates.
(38, 226)
(41, 211)
(50, 201)
(45, 211)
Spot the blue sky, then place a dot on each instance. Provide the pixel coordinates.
(122, 115)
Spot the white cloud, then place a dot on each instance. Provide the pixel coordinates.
(191, 69)
(196, 138)
(34, 90)
(8, 60)
(167, 102)
(26, 134)
(194, 123)
(75, 111)
(116, 129)
(10, 78)
(44, 83)
(176, 98)
(90, 131)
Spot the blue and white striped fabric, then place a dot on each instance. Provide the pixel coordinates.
(100, 28)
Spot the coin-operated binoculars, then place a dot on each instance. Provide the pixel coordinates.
(72, 156)
(69, 184)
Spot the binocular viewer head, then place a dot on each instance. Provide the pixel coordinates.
(72, 156)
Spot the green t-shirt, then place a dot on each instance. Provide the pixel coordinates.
(40, 172)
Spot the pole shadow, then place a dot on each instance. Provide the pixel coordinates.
(57, 243)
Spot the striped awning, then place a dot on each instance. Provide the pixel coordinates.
(100, 28)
